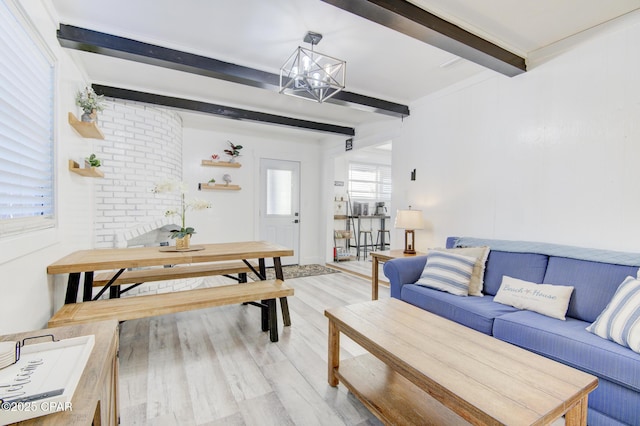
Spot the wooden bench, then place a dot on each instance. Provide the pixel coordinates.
(140, 276)
(130, 308)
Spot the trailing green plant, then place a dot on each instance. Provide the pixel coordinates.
(93, 161)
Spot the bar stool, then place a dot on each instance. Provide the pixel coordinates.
(365, 242)
(387, 240)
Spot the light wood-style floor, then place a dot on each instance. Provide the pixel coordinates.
(215, 366)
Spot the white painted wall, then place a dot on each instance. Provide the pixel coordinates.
(234, 215)
(550, 155)
(28, 293)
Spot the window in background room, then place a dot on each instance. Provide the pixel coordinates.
(26, 127)
(369, 183)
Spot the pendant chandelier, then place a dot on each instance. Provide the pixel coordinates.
(312, 75)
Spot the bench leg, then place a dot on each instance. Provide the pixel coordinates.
(273, 320)
(284, 306)
(264, 311)
(242, 277)
(87, 292)
(73, 283)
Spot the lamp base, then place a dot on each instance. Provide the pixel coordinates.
(408, 242)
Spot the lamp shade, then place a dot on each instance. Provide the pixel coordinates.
(409, 219)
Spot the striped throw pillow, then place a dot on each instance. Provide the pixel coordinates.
(620, 320)
(447, 272)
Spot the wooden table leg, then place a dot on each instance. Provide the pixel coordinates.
(284, 305)
(334, 353)
(577, 415)
(374, 278)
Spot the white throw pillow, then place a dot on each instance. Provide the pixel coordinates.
(448, 272)
(620, 320)
(546, 299)
(477, 276)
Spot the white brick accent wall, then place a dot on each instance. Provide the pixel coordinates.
(142, 146)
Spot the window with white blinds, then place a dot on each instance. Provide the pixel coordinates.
(26, 129)
(369, 182)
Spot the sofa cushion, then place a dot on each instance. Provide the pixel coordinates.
(477, 277)
(474, 312)
(594, 283)
(620, 320)
(524, 266)
(570, 343)
(545, 299)
(448, 272)
(610, 399)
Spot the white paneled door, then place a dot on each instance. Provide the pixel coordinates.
(280, 205)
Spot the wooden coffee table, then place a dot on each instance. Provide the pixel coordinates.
(424, 369)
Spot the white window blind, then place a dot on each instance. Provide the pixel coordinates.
(26, 129)
(369, 182)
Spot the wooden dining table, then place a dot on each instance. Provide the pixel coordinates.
(88, 261)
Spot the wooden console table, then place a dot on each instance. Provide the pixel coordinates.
(95, 401)
(378, 257)
(425, 369)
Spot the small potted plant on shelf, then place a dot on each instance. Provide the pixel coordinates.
(91, 104)
(233, 151)
(92, 161)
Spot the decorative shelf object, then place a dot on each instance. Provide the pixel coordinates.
(85, 129)
(220, 164)
(218, 187)
(87, 172)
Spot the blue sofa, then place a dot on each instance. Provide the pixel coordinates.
(595, 276)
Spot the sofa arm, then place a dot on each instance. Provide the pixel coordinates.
(404, 270)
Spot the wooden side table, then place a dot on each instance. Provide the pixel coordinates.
(95, 400)
(378, 257)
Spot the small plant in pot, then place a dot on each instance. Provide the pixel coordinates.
(92, 161)
(233, 151)
(91, 104)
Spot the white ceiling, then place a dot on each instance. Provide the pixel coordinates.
(263, 33)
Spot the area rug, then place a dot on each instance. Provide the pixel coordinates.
(297, 271)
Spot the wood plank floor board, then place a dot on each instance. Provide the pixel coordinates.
(217, 367)
(242, 374)
(265, 410)
(211, 398)
(303, 404)
(167, 394)
(311, 330)
(134, 361)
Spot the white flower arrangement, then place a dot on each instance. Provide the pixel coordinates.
(172, 185)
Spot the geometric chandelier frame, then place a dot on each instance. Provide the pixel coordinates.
(312, 75)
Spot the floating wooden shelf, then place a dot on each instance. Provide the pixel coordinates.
(87, 172)
(220, 164)
(84, 129)
(218, 187)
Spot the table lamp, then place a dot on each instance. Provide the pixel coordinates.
(409, 220)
